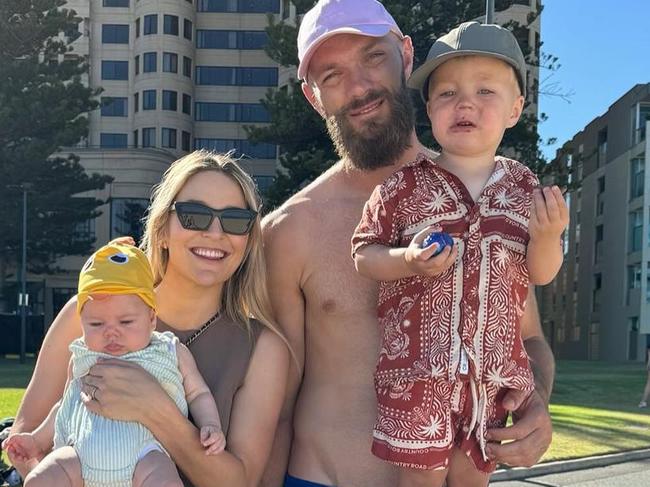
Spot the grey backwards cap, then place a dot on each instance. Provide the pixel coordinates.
(471, 39)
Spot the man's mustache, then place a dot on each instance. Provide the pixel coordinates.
(361, 102)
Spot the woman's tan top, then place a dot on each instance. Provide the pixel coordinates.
(222, 354)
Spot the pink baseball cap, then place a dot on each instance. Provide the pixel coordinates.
(330, 17)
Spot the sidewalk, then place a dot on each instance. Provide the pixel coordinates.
(519, 473)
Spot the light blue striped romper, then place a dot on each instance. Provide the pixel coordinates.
(109, 449)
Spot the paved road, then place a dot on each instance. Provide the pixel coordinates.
(630, 474)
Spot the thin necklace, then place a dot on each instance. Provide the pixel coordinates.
(202, 330)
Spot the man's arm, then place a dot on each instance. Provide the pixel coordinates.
(282, 249)
(532, 430)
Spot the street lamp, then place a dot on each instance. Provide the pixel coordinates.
(22, 298)
(489, 12)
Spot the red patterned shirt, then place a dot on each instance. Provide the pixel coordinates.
(473, 309)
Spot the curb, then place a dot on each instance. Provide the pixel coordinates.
(519, 473)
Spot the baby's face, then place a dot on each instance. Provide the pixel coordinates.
(117, 324)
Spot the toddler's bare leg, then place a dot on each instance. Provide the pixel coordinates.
(413, 477)
(156, 470)
(61, 467)
(463, 473)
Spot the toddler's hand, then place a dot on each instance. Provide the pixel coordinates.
(549, 214)
(21, 447)
(212, 439)
(421, 261)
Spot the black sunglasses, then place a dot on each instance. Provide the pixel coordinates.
(195, 216)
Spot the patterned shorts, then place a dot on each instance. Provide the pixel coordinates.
(420, 423)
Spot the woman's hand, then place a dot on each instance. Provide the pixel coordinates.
(121, 390)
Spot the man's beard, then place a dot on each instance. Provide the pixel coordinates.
(378, 144)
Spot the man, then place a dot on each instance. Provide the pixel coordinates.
(354, 61)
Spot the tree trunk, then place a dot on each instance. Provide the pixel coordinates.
(3, 280)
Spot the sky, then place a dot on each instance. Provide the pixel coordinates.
(603, 48)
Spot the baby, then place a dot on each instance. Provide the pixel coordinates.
(116, 304)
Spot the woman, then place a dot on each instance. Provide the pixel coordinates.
(203, 239)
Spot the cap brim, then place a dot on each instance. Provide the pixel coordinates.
(419, 77)
(369, 30)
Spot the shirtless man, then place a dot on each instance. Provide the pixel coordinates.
(354, 62)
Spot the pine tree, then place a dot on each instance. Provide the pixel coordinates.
(305, 147)
(43, 102)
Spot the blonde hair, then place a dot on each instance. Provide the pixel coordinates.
(245, 294)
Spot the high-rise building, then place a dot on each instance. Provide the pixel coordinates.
(599, 305)
(177, 75)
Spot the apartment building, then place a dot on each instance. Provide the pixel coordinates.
(177, 75)
(598, 307)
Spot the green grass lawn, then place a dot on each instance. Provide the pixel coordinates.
(594, 409)
(594, 406)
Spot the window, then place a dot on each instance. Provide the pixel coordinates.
(116, 3)
(115, 34)
(230, 112)
(523, 35)
(635, 230)
(231, 39)
(598, 246)
(637, 177)
(640, 115)
(137, 27)
(115, 70)
(187, 67)
(84, 230)
(596, 292)
(187, 104)
(647, 282)
(169, 138)
(187, 29)
(170, 25)
(170, 62)
(633, 279)
(137, 65)
(286, 9)
(170, 100)
(602, 147)
(114, 107)
(242, 147)
(136, 102)
(263, 183)
(149, 62)
(241, 6)
(135, 139)
(149, 137)
(600, 196)
(150, 24)
(113, 141)
(235, 76)
(127, 217)
(149, 100)
(185, 141)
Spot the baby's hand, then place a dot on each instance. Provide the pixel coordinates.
(549, 214)
(212, 439)
(21, 447)
(421, 261)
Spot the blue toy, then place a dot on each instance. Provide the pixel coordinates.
(441, 238)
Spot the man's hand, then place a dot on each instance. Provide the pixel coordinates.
(530, 434)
